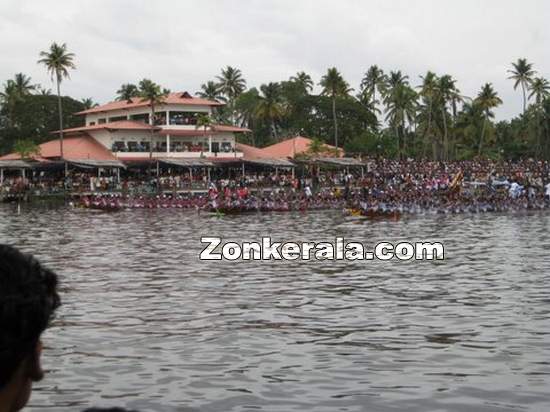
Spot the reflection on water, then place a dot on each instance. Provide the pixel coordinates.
(147, 325)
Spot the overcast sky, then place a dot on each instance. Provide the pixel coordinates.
(181, 44)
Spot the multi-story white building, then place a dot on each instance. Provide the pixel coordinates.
(124, 128)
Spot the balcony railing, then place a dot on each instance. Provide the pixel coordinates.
(162, 154)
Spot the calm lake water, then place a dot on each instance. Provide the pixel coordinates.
(147, 325)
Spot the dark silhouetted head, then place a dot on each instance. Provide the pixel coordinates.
(28, 300)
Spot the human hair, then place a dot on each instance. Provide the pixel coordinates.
(28, 300)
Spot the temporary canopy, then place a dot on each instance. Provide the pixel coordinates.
(187, 162)
(272, 162)
(95, 164)
(15, 164)
(340, 161)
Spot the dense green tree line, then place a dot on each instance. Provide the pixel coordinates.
(389, 114)
(30, 113)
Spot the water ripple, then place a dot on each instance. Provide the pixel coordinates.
(147, 325)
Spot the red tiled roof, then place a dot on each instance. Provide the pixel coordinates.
(118, 125)
(171, 98)
(74, 148)
(251, 152)
(291, 147)
(227, 128)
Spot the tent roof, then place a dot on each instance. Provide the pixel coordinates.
(91, 163)
(339, 161)
(187, 162)
(14, 164)
(273, 162)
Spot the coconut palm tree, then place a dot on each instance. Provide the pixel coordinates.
(394, 79)
(232, 84)
(88, 103)
(205, 121)
(373, 80)
(8, 99)
(334, 86)
(245, 107)
(401, 107)
(14, 91)
(211, 91)
(468, 123)
(42, 91)
(23, 84)
(127, 91)
(487, 99)
(154, 95)
(428, 92)
(522, 73)
(270, 107)
(365, 99)
(540, 90)
(450, 93)
(447, 94)
(304, 80)
(58, 62)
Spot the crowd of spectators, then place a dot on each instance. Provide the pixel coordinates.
(388, 181)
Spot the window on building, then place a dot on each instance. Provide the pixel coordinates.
(143, 117)
(119, 146)
(91, 124)
(159, 146)
(226, 147)
(183, 118)
(101, 121)
(133, 147)
(117, 118)
(160, 118)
